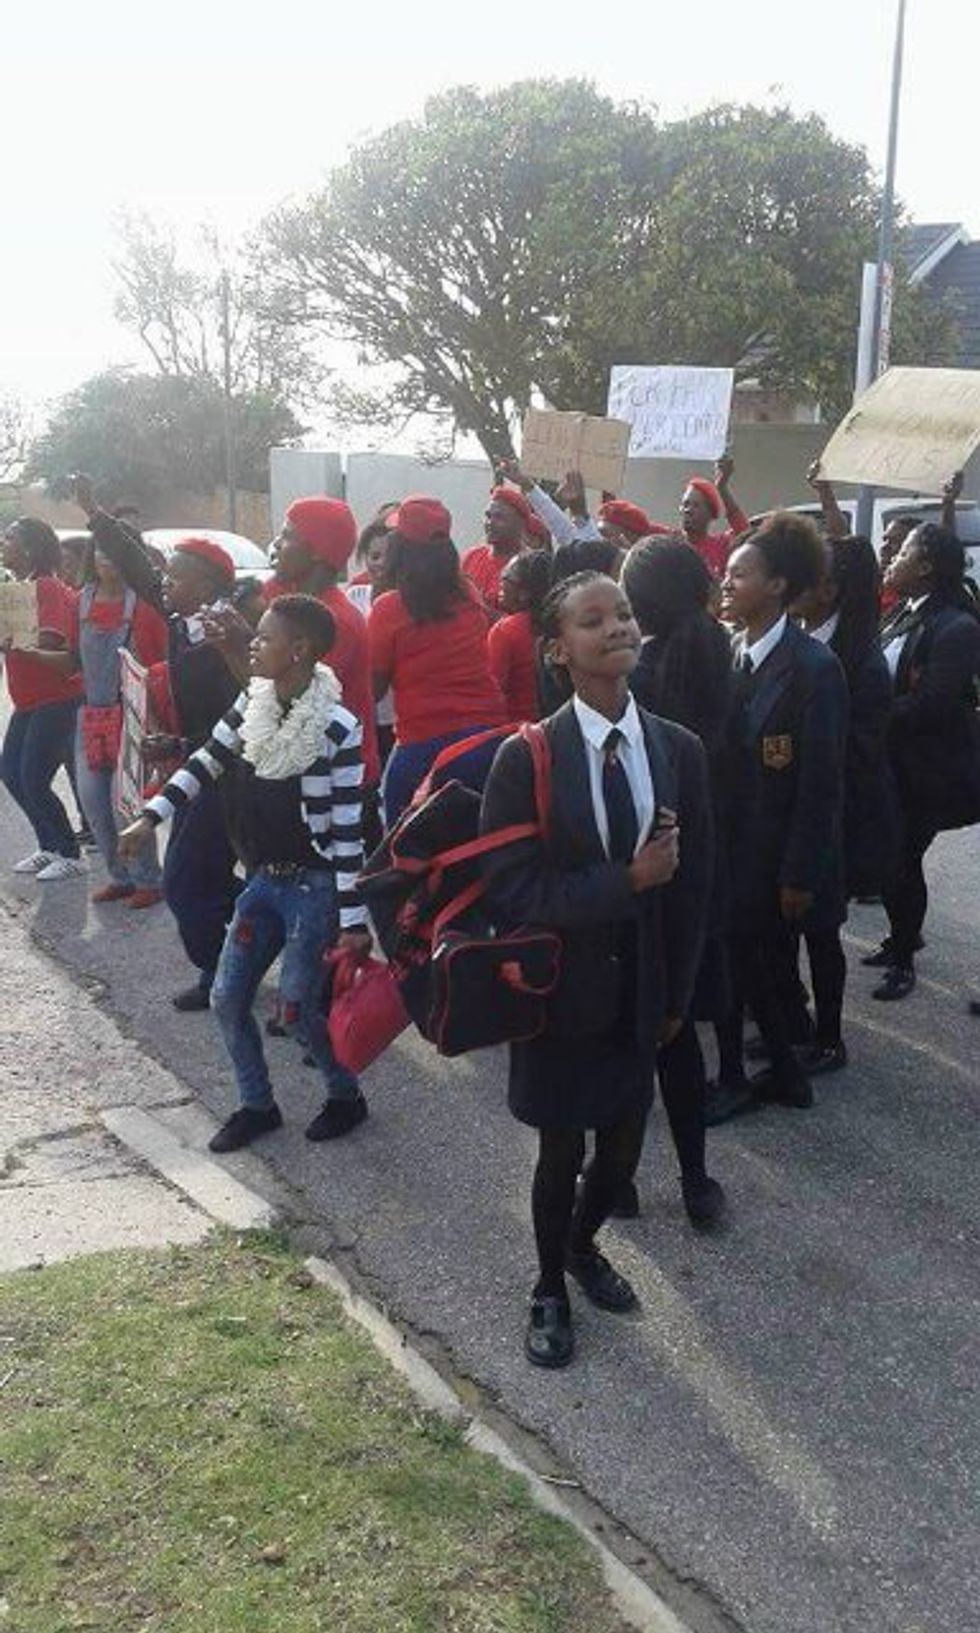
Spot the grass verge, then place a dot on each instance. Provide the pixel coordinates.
(197, 1441)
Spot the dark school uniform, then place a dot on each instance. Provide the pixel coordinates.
(786, 782)
(628, 961)
(934, 731)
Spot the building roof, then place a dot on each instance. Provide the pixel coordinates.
(958, 275)
(916, 243)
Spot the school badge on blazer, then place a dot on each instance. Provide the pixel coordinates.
(777, 753)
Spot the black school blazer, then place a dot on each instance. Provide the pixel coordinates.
(934, 732)
(786, 797)
(568, 883)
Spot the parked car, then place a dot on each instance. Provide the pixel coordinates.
(924, 510)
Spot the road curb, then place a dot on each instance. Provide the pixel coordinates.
(207, 1184)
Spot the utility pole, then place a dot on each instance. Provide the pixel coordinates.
(230, 470)
(881, 327)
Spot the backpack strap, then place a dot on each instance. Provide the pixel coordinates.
(455, 751)
(539, 748)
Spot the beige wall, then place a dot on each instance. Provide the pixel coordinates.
(178, 510)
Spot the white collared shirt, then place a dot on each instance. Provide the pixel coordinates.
(893, 651)
(824, 633)
(632, 755)
(562, 527)
(759, 651)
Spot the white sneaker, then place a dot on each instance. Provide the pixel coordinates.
(34, 863)
(62, 867)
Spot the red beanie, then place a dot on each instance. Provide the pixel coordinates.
(327, 528)
(515, 498)
(708, 491)
(620, 513)
(420, 519)
(215, 555)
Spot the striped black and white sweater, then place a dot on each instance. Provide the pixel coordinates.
(310, 820)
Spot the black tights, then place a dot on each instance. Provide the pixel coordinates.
(561, 1223)
(907, 898)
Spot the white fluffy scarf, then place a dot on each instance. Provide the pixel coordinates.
(281, 741)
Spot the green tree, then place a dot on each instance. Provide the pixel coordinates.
(523, 241)
(140, 436)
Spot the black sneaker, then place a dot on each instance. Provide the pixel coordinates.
(600, 1283)
(884, 958)
(704, 1200)
(898, 983)
(244, 1126)
(192, 999)
(337, 1118)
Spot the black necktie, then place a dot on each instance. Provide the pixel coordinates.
(620, 810)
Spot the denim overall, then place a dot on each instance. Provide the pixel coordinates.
(98, 651)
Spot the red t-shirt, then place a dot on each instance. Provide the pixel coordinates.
(350, 661)
(148, 636)
(715, 549)
(483, 567)
(31, 681)
(439, 672)
(512, 650)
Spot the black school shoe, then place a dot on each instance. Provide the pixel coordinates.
(549, 1340)
(244, 1126)
(601, 1284)
(898, 983)
(337, 1118)
(782, 1091)
(192, 999)
(884, 958)
(705, 1202)
(724, 1100)
(818, 1059)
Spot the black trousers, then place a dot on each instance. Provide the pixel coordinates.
(758, 953)
(681, 1074)
(906, 897)
(562, 1223)
(828, 977)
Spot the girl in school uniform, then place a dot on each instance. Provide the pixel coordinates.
(624, 875)
(932, 647)
(786, 794)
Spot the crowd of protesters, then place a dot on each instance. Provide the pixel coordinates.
(748, 726)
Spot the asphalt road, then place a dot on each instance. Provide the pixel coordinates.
(790, 1423)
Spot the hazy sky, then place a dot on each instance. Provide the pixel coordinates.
(219, 111)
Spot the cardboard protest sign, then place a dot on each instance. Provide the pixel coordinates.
(675, 413)
(18, 613)
(911, 429)
(554, 443)
(131, 771)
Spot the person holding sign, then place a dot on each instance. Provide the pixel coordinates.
(505, 523)
(45, 696)
(702, 505)
(932, 647)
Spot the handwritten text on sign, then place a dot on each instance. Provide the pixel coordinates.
(554, 443)
(911, 429)
(676, 413)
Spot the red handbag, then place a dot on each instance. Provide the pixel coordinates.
(366, 1010)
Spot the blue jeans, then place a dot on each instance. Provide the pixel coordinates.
(297, 917)
(95, 796)
(36, 746)
(411, 762)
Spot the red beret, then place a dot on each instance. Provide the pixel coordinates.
(620, 513)
(214, 554)
(420, 519)
(708, 491)
(326, 526)
(515, 498)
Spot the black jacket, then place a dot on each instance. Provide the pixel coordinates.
(786, 791)
(871, 820)
(934, 733)
(568, 884)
